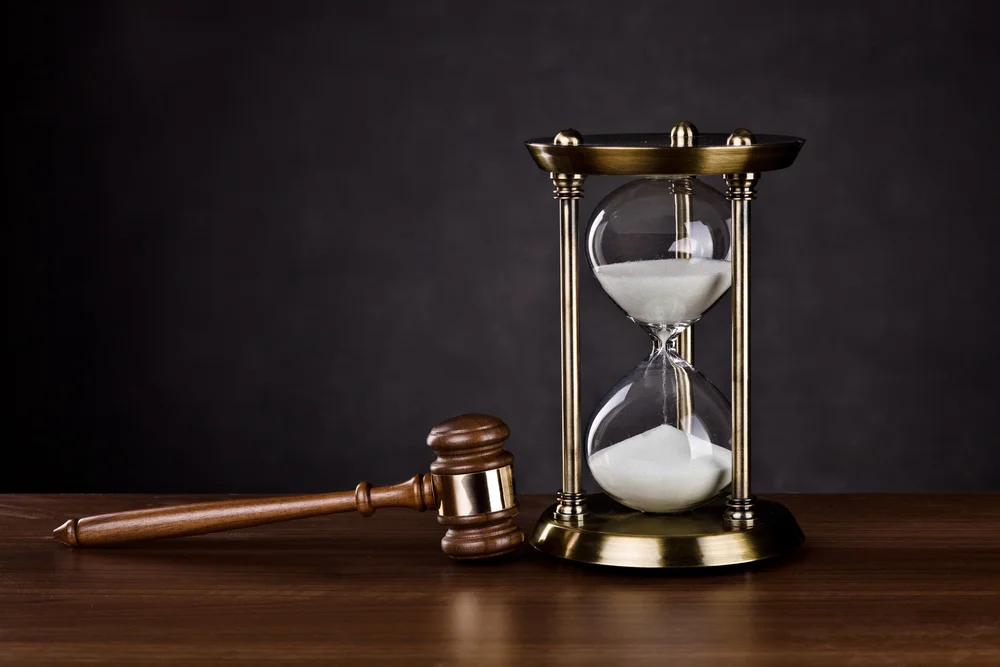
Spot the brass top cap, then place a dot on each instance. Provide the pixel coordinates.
(655, 154)
(468, 431)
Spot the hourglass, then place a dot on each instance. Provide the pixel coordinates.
(664, 444)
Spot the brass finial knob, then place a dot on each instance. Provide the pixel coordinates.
(683, 134)
(740, 137)
(568, 137)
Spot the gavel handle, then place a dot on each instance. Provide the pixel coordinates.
(200, 518)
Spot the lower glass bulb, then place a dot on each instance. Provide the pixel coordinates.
(660, 440)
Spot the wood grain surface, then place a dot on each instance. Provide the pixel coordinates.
(883, 580)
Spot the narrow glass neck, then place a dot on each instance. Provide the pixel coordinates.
(664, 338)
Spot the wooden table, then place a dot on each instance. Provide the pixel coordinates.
(883, 580)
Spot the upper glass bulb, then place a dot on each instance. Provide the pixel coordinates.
(661, 249)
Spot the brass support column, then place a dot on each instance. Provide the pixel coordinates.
(684, 341)
(568, 190)
(682, 216)
(740, 191)
(681, 135)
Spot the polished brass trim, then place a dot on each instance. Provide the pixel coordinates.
(611, 534)
(684, 341)
(568, 190)
(683, 134)
(568, 137)
(475, 493)
(741, 189)
(637, 155)
(570, 507)
(738, 137)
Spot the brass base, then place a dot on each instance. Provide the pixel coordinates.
(612, 534)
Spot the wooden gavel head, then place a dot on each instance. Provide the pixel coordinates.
(474, 487)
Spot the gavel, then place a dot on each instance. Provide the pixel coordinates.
(471, 485)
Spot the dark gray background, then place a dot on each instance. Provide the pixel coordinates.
(262, 246)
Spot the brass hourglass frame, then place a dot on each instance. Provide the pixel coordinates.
(596, 529)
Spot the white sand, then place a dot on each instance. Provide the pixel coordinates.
(666, 291)
(662, 470)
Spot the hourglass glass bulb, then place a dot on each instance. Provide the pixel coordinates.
(660, 440)
(663, 280)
